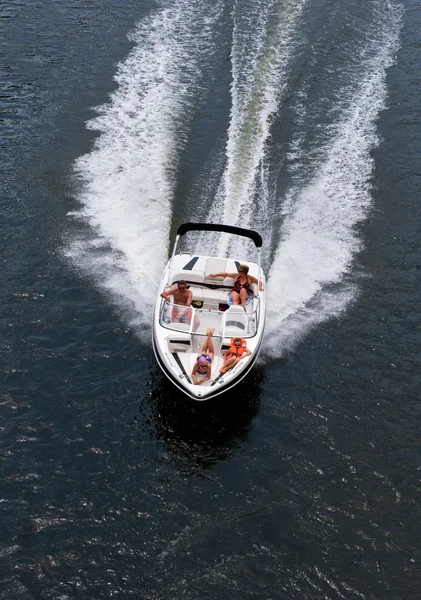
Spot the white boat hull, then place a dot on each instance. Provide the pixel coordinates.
(176, 344)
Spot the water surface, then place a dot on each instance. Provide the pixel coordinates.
(120, 121)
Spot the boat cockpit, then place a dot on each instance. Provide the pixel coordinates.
(210, 306)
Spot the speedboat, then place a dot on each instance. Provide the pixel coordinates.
(177, 342)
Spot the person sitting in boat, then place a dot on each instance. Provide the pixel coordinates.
(182, 297)
(237, 351)
(241, 292)
(202, 367)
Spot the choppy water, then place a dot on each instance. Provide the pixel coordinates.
(120, 121)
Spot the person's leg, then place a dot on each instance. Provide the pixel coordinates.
(228, 365)
(209, 343)
(235, 298)
(204, 349)
(243, 297)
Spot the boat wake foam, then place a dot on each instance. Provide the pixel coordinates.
(128, 179)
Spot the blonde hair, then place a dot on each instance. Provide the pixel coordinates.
(243, 269)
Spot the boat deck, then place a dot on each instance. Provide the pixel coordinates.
(180, 331)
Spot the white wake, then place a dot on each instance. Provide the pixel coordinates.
(319, 238)
(127, 181)
(264, 38)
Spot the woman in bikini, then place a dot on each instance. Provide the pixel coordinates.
(242, 282)
(202, 367)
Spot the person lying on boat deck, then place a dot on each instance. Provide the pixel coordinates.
(182, 297)
(234, 354)
(242, 281)
(202, 367)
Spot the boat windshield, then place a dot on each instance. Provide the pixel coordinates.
(198, 320)
(177, 317)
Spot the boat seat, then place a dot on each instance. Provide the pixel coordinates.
(178, 343)
(235, 321)
(194, 277)
(253, 288)
(235, 309)
(215, 265)
(211, 298)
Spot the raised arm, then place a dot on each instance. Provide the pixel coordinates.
(254, 280)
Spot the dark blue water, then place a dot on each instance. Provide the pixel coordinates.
(305, 482)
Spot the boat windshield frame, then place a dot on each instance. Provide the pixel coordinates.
(236, 324)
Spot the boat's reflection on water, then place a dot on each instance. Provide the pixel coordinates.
(204, 432)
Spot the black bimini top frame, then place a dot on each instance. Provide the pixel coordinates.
(253, 235)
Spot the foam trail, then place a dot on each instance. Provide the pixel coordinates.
(318, 236)
(127, 181)
(263, 42)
